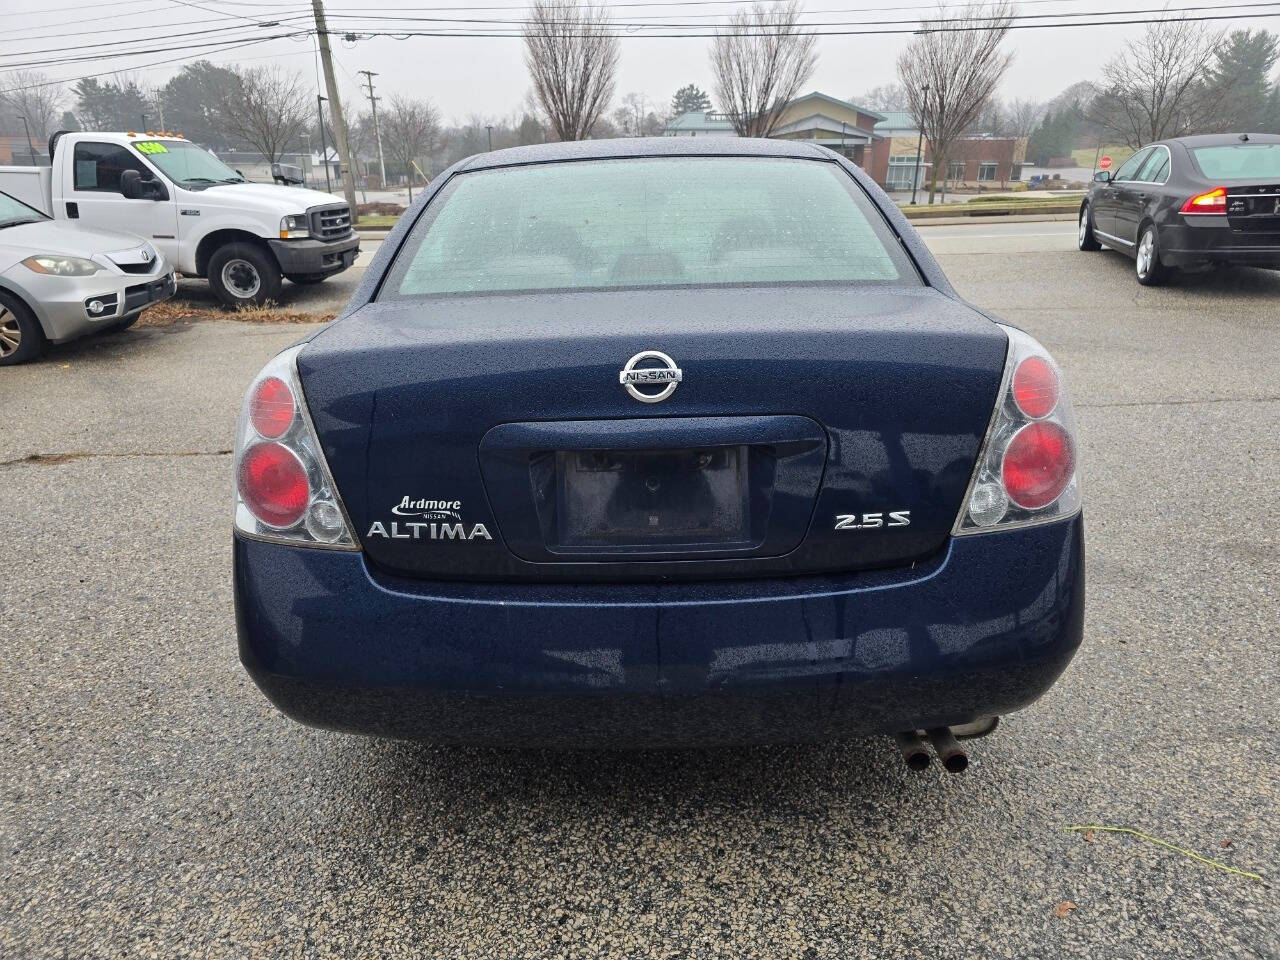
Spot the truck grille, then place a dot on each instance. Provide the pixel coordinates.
(331, 223)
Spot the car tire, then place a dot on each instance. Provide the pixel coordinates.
(21, 339)
(1150, 271)
(1085, 239)
(306, 279)
(243, 275)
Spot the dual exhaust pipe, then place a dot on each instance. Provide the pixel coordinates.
(945, 745)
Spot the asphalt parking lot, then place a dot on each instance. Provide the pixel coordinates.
(154, 804)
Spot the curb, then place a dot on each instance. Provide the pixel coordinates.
(990, 221)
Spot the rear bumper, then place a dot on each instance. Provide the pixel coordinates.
(315, 256)
(1197, 243)
(984, 629)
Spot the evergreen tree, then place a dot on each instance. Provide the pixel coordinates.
(1239, 82)
(690, 98)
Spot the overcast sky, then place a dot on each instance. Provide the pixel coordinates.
(487, 76)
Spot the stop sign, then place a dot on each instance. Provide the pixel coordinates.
(1104, 163)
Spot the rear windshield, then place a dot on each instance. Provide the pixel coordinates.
(648, 222)
(1240, 161)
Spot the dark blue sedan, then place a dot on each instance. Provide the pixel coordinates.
(658, 442)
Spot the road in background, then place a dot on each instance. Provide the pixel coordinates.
(155, 804)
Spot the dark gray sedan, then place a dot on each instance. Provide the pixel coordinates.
(1189, 202)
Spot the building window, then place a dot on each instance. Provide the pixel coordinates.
(1016, 174)
(955, 170)
(901, 172)
(986, 171)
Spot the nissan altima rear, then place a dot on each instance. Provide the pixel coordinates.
(644, 443)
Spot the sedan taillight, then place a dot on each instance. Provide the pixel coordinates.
(1212, 202)
(1026, 471)
(284, 490)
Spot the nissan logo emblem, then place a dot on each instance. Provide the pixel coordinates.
(650, 368)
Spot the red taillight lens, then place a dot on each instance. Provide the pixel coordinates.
(271, 408)
(1211, 201)
(273, 484)
(1035, 387)
(1038, 464)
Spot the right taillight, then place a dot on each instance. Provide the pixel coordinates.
(1026, 470)
(1211, 202)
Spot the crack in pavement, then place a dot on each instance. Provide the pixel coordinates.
(53, 459)
(1172, 403)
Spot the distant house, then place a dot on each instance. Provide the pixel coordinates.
(699, 123)
(839, 125)
(883, 144)
(975, 161)
(843, 126)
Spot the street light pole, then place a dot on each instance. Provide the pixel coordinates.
(324, 147)
(915, 177)
(489, 128)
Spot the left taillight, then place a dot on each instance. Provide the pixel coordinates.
(284, 491)
(1026, 471)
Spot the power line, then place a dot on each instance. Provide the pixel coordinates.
(115, 43)
(140, 66)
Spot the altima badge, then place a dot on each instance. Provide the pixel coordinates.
(660, 369)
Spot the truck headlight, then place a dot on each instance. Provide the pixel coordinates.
(294, 227)
(61, 266)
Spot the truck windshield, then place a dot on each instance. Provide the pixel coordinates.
(648, 222)
(186, 163)
(14, 212)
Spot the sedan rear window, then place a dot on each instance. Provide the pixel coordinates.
(1239, 161)
(647, 222)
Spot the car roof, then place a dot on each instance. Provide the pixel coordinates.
(1219, 139)
(647, 147)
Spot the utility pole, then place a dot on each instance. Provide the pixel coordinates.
(335, 110)
(324, 147)
(377, 137)
(31, 147)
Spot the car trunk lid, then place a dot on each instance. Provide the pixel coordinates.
(813, 429)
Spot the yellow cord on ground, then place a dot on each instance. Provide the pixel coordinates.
(1165, 843)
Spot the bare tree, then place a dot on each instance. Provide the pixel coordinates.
(270, 108)
(887, 96)
(409, 131)
(1023, 116)
(31, 94)
(572, 57)
(951, 73)
(760, 60)
(1156, 88)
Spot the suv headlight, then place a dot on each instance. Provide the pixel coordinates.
(294, 227)
(61, 266)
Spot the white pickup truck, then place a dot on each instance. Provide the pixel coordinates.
(205, 218)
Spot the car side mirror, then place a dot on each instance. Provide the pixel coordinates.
(1102, 176)
(133, 187)
(131, 184)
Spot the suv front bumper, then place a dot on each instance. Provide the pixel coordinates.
(983, 629)
(59, 301)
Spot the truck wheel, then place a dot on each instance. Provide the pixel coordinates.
(306, 279)
(243, 275)
(21, 338)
